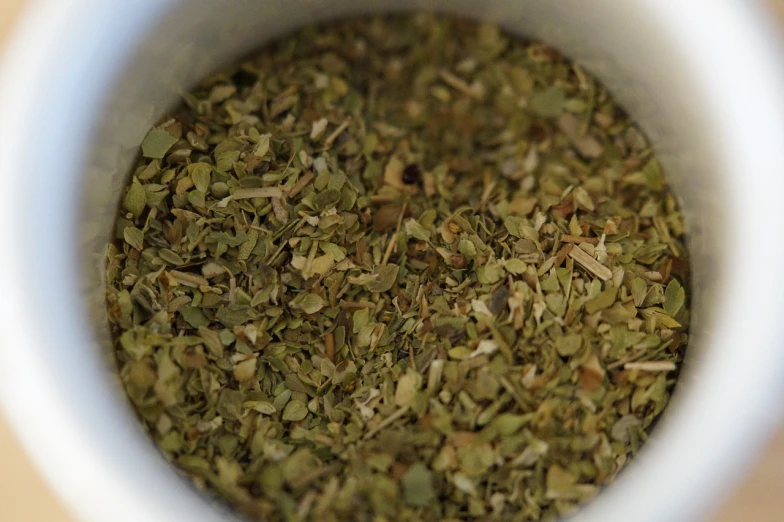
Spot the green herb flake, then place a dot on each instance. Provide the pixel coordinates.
(157, 143)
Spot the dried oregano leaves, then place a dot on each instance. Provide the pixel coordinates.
(399, 269)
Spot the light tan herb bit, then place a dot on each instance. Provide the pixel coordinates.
(651, 366)
(590, 264)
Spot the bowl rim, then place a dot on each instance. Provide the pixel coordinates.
(752, 127)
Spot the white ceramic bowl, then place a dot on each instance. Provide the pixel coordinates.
(84, 79)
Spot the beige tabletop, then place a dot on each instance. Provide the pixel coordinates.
(25, 498)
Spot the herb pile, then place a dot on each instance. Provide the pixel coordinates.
(399, 269)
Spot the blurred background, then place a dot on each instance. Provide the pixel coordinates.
(24, 497)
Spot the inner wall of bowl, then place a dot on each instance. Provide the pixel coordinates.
(621, 43)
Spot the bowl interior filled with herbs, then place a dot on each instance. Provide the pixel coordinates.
(399, 268)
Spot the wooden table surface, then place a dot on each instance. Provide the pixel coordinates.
(24, 497)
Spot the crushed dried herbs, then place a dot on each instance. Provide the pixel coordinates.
(399, 269)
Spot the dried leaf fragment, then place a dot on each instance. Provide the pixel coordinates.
(157, 143)
(590, 264)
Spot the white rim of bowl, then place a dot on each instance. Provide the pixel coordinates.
(737, 405)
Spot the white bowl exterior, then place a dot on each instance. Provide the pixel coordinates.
(84, 79)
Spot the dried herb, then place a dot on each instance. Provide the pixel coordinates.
(399, 269)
